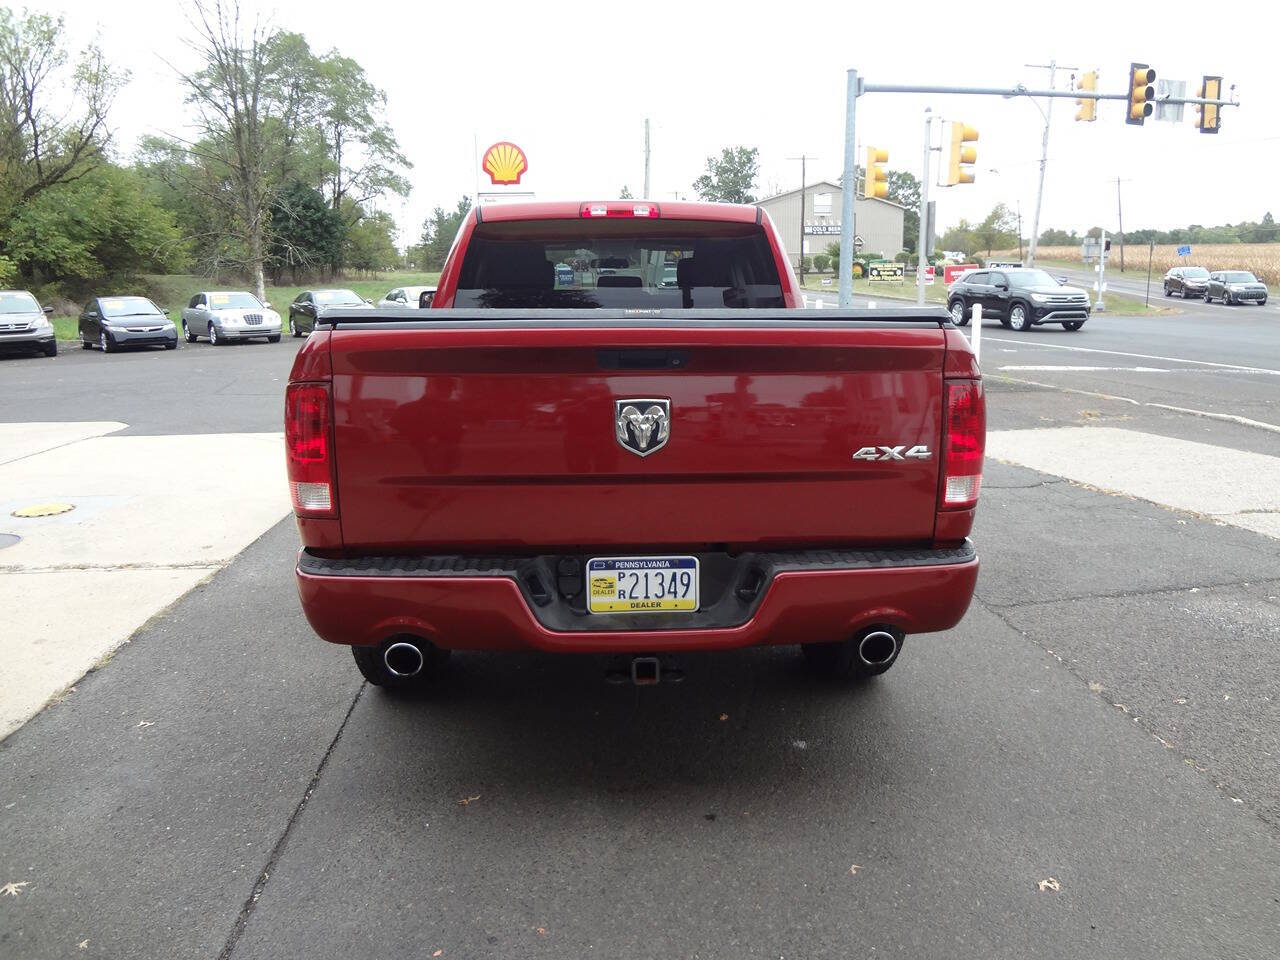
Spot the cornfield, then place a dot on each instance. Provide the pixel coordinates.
(1262, 259)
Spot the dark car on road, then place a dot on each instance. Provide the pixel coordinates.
(1186, 282)
(1235, 286)
(115, 322)
(302, 312)
(1019, 298)
(24, 326)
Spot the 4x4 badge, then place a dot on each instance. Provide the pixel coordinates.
(918, 452)
(642, 426)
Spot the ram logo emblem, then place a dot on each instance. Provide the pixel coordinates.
(642, 426)
(901, 452)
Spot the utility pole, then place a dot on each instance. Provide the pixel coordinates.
(1052, 67)
(1019, 230)
(924, 207)
(646, 159)
(800, 256)
(1120, 213)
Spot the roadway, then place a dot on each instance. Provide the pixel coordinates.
(1087, 765)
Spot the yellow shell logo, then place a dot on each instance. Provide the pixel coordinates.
(505, 163)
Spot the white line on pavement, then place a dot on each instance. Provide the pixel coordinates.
(1058, 369)
(1139, 356)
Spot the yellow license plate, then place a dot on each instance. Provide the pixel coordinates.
(642, 584)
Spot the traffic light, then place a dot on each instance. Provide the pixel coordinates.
(1088, 107)
(874, 182)
(1141, 93)
(1207, 119)
(962, 157)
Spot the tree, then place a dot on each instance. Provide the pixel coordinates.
(904, 189)
(960, 237)
(732, 177)
(98, 226)
(370, 246)
(998, 230)
(249, 108)
(53, 118)
(305, 231)
(438, 233)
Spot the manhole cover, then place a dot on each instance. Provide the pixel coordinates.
(43, 510)
(8, 539)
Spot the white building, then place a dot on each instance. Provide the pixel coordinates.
(877, 222)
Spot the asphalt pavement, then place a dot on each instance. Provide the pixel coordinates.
(1088, 765)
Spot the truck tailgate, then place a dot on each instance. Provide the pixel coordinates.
(500, 433)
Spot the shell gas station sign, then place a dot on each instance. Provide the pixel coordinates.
(505, 163)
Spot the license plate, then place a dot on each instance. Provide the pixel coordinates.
(642, 584)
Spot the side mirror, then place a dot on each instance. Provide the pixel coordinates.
(266, 303)
(367, 300)
(1062, 281)
(1002, 286)
(48, 310)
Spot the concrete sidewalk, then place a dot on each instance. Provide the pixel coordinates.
(151, 517)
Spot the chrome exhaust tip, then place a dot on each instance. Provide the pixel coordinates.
(877, 648)
(404, 659)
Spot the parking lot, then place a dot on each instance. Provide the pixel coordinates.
(1088, 765)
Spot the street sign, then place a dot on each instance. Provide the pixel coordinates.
(885, 271)
(1171, 112)
(1184, 250)
(857, 242)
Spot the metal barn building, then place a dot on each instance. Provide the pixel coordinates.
(877, 222)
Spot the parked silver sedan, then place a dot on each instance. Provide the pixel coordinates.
(223, 316)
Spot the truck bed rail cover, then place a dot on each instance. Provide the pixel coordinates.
(402, 318)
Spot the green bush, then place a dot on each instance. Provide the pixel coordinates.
(806, 264)
(903, 256)
(822, 263)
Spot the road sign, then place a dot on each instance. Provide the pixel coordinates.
(857, 242)
(953, 271)
(885, 270)
(1184, 250)
(1171, 112)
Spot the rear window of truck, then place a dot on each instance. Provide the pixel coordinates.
(618, 263)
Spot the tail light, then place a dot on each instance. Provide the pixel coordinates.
(965, 435)
(620, 209)
(308, 445)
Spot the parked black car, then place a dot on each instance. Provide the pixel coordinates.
(1186, 282)
(115, 322)
(302, 312)
(1018, 298)
(1235, 286)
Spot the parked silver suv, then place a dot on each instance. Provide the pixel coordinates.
(24, 326)
(229, 315)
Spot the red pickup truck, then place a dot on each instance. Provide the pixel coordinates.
(615, 432)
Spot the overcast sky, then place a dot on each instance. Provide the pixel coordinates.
(573, 84)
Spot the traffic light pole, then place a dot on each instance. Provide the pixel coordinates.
(857, 87)
(848, 188)
(924, 207)
(1098, 305)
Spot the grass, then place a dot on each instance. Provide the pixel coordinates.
(935, 293)
(173, 292)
